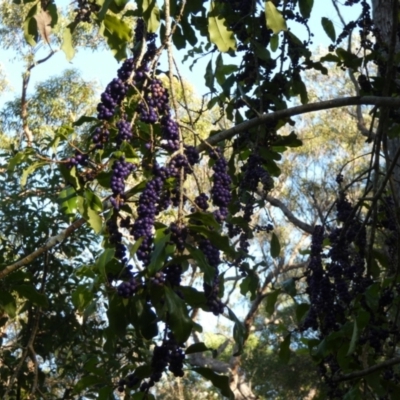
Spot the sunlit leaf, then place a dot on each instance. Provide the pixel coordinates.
(274, 18)
(218, 30)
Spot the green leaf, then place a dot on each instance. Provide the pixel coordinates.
(85, 119)
(198, 256)
(151, 14)
(31, 33)
(70, 175)
(30, 170)
(275, 246)
(218, 30)
(179, 39)
(118, 27)
(330, 58)
(274, 18)
(209, 76)
(19, 158)
(147, 321)
(274, 42)
(238, 331)
(329, 28)
(372, 296)
(161, 251)
(81, 297)
(7, 303)
(30, 293)
(106, 393)
(196, 348)
(284, 349)
(290, 140)
(221, 382)
(349, 58)
(93, 201)
(250, 284)
(289, 287)
(193, 297)
(262, 52)
(306, 7)
(118, 35)
(67, 46)
(104, 8)
(299, 88)
(219, 241)
(353, 394)
(353, 341)
(272, 298)
(179, 320)
(92, 206)
(86, 382)
(301, 311)
(117, 6)
(207, 219)
(188, 32)
(105, 257)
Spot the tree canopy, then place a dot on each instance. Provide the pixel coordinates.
(241, 243)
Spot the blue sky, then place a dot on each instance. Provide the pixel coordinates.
(100, 66)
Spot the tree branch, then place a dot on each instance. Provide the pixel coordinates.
(289, 215)
(53, 241)
(323, 105)
(367, 371)
(298, 110)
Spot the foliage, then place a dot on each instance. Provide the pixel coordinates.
(123, 224)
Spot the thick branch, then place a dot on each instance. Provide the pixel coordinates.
(367, 371)
(53, 241)
(289, 215)
(306, 108)
(323, 105)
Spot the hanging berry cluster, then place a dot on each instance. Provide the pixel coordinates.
(134, 114)
(341, 288)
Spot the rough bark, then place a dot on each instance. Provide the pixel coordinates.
(383, 16)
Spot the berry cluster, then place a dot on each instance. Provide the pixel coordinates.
(78, 159)
(158, 279)
(178, 236)
(147, 210)
(212, 291)
(220, 191)
(192, 155)
(202, 201)
(176, 164)
(129, 288)
(170, 355)
(100, 137)
(131, 284)
(130, 381)
(124, 131)
(115, 238)
(111, 98)
(120, 171)
(173, 274)
(170, 133)
(157, 96)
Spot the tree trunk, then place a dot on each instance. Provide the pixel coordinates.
(383, 11)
